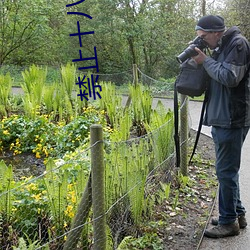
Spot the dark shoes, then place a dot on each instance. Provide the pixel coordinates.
(221, 231)
(241, 219)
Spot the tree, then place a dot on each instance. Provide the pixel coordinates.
(237, 13)
(29, 29)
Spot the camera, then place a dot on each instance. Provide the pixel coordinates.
(190, 51)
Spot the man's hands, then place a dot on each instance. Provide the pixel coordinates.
(200, 58)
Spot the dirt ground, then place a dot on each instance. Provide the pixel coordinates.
(187, 222)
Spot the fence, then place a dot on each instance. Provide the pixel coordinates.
(53, 210)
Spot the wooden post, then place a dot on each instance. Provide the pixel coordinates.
(98, 195)
(80, 218)
(184, 135)
(135, 74)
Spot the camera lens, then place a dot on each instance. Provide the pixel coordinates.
(187, 53)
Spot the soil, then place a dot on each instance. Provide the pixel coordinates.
(186, 223)
(25, 164)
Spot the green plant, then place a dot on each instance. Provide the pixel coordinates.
(141, 104)
(56, 187)
(5, 90)
(147, 241)
(23, 134)
(68, 74)
(112, 108)
(48, 97)
(30, 208)
(176, 199)
(23, 246)
(164, 191)
(161, 128)
(33, 86)
(126, 173)
(6, 196)
(45, 138)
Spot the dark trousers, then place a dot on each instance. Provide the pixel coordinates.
(228, 145)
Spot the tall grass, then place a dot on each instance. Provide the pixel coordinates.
(5, 90)
(112, 108)
(161, 128)
(6, 184)
(68, 75)
(33, 86)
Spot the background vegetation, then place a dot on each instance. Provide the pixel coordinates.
(149, 33)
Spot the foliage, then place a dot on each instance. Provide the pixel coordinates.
(51, 200)
(30, 204)
(161, 126)
(141, 102)
(24, 26)
(68, 74)
(43, 206)
(113, 109)
(127, 167)
(147, 241)
(34, 81)
(6, 184)
(5, 89)
(22, 245)
(236, 13)
(147, 33)
(43, 137)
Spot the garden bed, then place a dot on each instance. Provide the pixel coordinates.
(185, 226)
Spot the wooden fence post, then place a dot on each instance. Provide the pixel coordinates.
(98, 195)
(135, 74)
(184, 135)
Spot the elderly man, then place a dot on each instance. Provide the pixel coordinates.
(228, 112)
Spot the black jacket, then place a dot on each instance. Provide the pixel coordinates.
(229, 90)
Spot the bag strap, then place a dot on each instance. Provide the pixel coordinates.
(199, 127)
(176, 126)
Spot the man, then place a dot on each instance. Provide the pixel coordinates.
(228, 112)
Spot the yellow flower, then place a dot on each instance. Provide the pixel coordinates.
(31, 186)
(73, 199)
(45, 151)
(6, 132)
(37, 196)
(14, 209)
(102, 112)
(69, 211)
(38, 155)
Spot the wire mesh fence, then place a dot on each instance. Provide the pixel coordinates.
(55, 210)
(42, 210)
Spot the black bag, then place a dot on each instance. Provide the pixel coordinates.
(192, 80)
